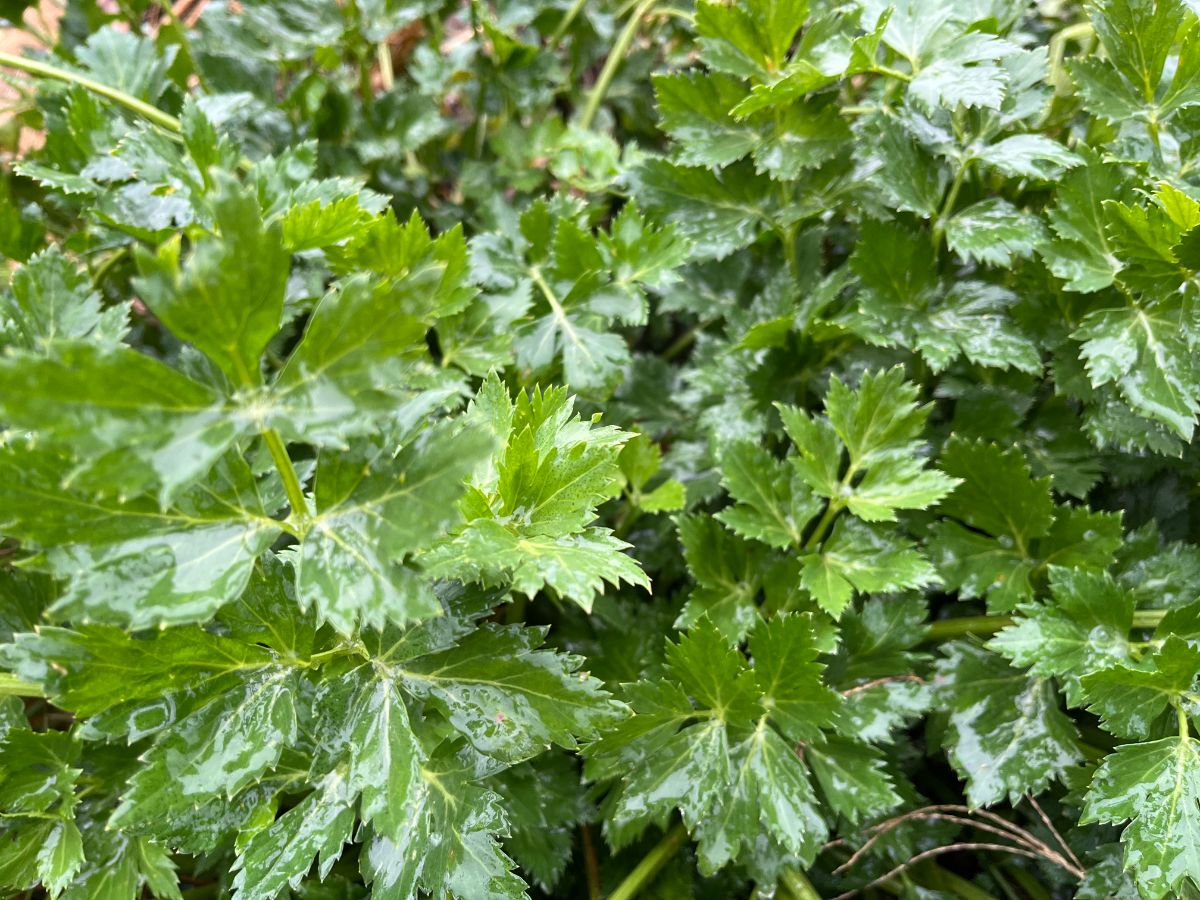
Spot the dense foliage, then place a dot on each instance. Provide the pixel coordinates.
(598, 449)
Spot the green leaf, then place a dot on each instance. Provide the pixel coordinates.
(852, 778)
(134, 563)
(1080, 252)
(1140, 347)
(127, 420)
(574, 566)
(727, 571)
(1105, 93)
(1147, 238)
(1029, 156)
(1006, 734)
(718, 213)
(544, 807)
(858, 557)
(222, 747)
(909, 178)
(1130, 699)
(748, 40)
(915, 309)
(95, 667)
(1004, 510)
(769, 791)
(691, 772)
(53, 301)
(642, 253)
(528, 515)
(37, 774)
(375, 509)
(879, 424)
(386, 764)
(729, 770)
(60, 857)
(426, 276)
(458, 822)
(1137, 38)
(964, 73)
(279, 856)
(317, 224)
(714, 673)
(773, 505)
(507, 697)
(788, 676)
(227, 300)
(994, 232)
(356, 364)
(128, 62)
(1084, 628)
(1157, 787)
(695, 110)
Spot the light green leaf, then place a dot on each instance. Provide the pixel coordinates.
(575, 566)
(994, 232)
(773, 505)
(1129, 700)
(1157, 787)
(227, 300)
(317, 224)
(1085, 627)
(1140, 348)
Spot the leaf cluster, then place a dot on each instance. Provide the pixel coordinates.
(541, 449)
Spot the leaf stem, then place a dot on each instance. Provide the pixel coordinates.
(645, 871)
(283, 462)
(110, 262)
(153, 114)
(1058, 50)
(789, 249)
(591, 863)
(337, 652)
(383, 58)
(944, 879)
(950, 629)
(964, 626)
(892, 73)
(685, 340)
(565, 22)
(12, 686)
(939, 224)
(615, 56)
(799, 886)
(1148, 618)
(831, 510)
